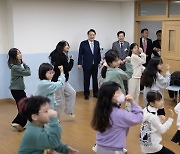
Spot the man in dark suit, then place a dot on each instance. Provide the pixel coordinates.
(157, 44)
(146, 45)
(122, 48)
(89, 59)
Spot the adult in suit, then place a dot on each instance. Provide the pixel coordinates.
(122, 48)
(89, 59)
(146, 45)
(157, 44)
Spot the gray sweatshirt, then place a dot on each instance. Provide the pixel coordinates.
(17, 74)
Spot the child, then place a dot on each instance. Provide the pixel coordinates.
(17, 86)
(66, 95)
(38, 136)
(176, 137)
(111, 121)
(101, 65)
(47, 88)
(138, 58)
(153, 80)
(113, 73)
(152, 128)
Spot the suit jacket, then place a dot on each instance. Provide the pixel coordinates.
(156, 44)
(124, 52)
(149, 49)
(86, 58)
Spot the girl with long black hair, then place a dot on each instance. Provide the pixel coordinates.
(66, 95)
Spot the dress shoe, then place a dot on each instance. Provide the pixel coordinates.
(95, 95)
(86, 97)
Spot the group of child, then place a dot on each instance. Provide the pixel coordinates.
(109, 118)
(112, 121)
(43, 110)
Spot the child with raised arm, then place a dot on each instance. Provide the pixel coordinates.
(138, 58)
(38, 136)
(176, 137)
(111, 121)
(152, 79)
(46, 87)
(19, 69)
(152, 127)
(112, 72)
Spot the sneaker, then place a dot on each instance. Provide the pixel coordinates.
(72, 115)
(124, 150)
(94, 148)
(17, 126)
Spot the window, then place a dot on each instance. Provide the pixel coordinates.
(151, 8)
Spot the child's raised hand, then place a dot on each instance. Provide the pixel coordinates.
(129, 99)
(71, 56)
(171, 113)
(61, 68)
(128, 58)
(52, 113)
(167, 67)
(72, 151)
(140, 50)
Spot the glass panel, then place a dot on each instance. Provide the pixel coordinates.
(172, 36)
(174, 8)
(152, 8)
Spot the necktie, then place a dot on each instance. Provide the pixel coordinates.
(144, 46)
(92, 47)
(121, 45)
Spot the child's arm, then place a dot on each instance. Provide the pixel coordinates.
(125, 75)
(162, 128)
(141, 60)
(50, 137)
(163, 81)
(68, 65)
(20, 71)
(54, 86)
(177, 108)
(134, 117)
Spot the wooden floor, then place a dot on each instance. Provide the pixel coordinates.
(77, 131)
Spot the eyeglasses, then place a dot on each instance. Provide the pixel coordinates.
(51, 72)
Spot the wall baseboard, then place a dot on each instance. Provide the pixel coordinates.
(11, 100)
(7, 100)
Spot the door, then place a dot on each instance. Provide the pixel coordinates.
(171, 44)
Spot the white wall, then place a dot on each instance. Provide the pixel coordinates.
(2, 23)
(39, 25)
(6, 25)
(127, 20)
(36, 26)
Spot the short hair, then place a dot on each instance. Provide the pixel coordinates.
(121, 32)
(91, 30)
(159, 31)
(153, 96)
(142, 31)
(31, 105)
(43, 68)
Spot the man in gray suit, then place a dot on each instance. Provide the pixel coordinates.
(122, 48)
